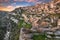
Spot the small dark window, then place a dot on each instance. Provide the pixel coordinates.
(58, 4)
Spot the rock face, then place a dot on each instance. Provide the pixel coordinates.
(3, 24)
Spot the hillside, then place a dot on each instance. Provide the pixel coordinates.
(41, 17)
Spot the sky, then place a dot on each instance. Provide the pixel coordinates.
(9, 5)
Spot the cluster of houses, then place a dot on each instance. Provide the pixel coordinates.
(44, 17)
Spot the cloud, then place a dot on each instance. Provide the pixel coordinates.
(18, 0)
(3, 9)
(31, 0)
(7, 8)
(1, 1)
(6, 0)
(27, 0)
(22, 0)
(20, 6)
(10, 8)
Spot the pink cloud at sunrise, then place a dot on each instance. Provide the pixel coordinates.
(8, 8)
